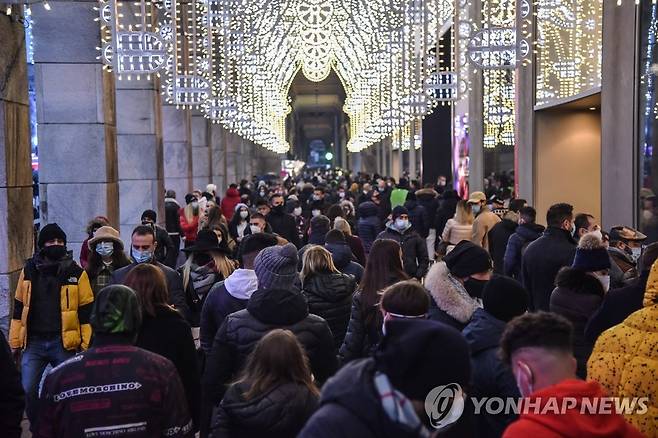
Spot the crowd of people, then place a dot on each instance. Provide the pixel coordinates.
(332, 304)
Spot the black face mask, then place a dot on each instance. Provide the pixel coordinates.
(278, 209)
(54, 252)
(474, 287)
(202, 259)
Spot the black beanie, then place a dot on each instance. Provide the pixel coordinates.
(399, 211)
(504, 298)
(50, 232)
(467, 259)
(419, 355)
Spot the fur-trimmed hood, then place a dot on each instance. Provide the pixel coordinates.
(427, 193)
(449, 294)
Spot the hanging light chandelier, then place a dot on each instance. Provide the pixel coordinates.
(234, 60)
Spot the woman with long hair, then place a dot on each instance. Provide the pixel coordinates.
(164, 330)
(105, 256)
(238, 228)
(92, 227)
(459, 227)
(329, 293)
(208, 262)
(214, 219)
(384, 268)
(275, 395)
(189, 219)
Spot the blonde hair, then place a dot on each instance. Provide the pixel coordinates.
(341, 224)
(464, 213)
(188, 211)
(317, 259)
(223, 266)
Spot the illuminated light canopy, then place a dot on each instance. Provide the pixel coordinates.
(235, 59)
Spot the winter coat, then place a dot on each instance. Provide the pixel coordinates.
(541, 262)
(360, 340)
(450, 304)
(522, 237)
(329, 296)
(369, 224)
(166, 252)
(12, 396)
(418, 218)
(617, 305)
(356, 246)
(577, 296)
(169, 335)
(174, 287)
(75, 302)
(172, 219)
(229, 202)
(278, 413)
(491, 377)
(199, 283)
(445, 212)
(498, 238)
(454, 232)
(266, 310)
(545, 421)
(428, 198)
(414, 250)
(342, 257)
(483, 223)
(189, 229)
(625, 358)
(284, 225)
(224, 298)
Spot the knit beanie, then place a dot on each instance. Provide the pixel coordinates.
(419, 355)
(399, 211)
(50, 232)
(504, 298)
(116, 311)
(276, 267)
(467, 259)
(591, 254)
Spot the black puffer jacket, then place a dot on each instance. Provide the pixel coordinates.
(491, 377)
(369, 224)
(499, 235)
(280, 412)
(577, 297)
(267, 309)
(418, 217)
(329, 295)
(360, 340)
(342, 257)
(414, 250)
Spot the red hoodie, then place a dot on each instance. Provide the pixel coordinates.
(571, 423)
(229, 202)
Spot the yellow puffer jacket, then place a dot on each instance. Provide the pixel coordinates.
(76, 299)
(625, 358)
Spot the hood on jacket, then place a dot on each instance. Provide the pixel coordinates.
(367, 209)
(340, 253)
(426, 194)
(276, 411)
(483, 331)
(449, 294)
(530, 232)
(232, 193)
(278, 306)
(578, 281)
(571, 423)
(332, 287)
(241, 284)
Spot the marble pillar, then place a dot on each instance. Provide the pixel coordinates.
(177, 147)
(139, 152)
(76, 117)
(201, 159)
(218, 155)
(16, 231)
(233, 159)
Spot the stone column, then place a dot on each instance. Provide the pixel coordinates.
(139, 152)
(218, 155)
(232, 159)
(201, 160)
(76, 116)
(16, 236)
(177, 147)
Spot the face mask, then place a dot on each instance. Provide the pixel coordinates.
(54, 252)
(195, 204)
(401, 224)
(315, 213)
(381, 189)
(573, 228)
(262, 194)
(476, 208)
(605, 281)
(277, 209)
(297, 211)
(341, 195)
(147, 223)
(244, 214)
(141, 256)
(105, 249)
(255, 229)
(636, 254)
(474, 287)
(202, 259)
(316, 197)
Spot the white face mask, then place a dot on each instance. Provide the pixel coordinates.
(254, 229)
(605, 281)
(297, 211)
(315, 213)
(244, 214)
(637, 253)
(476, 208)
